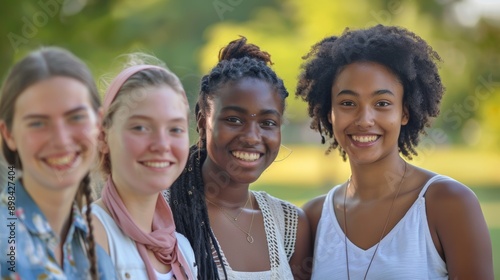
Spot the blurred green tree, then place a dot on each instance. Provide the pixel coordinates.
(187, 35)
(470, 55)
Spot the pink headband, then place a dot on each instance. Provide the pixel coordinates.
(118, 82)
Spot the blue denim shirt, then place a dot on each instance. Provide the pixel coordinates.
(28, 244)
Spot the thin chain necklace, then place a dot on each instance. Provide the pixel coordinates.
(383, 231)
(234, 220)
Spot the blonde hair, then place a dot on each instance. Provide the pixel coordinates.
(135, 89)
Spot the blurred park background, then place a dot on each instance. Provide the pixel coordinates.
(187, 34)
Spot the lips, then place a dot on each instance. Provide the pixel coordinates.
(156, 164)
(61, 162)
(365, 138)
(246, 156)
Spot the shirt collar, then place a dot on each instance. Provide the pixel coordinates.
(28, 212)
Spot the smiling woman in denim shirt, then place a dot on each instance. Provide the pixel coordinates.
(49, 123)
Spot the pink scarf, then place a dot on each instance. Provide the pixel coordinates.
(161, 240)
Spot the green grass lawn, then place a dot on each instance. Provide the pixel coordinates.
(489, 197)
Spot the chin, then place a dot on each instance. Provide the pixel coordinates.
(247, 180)
(158, 186)
(64, 184)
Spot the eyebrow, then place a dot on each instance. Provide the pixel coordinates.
(377, 92)
(70, 112)
(244, 111)
(147, 118)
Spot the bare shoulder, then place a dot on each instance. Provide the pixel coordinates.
(303, 226)
(314, 207)
(99, 231)
(453, 208)
(302, 216)
(450, 193)
(313, 210)
(451, 202)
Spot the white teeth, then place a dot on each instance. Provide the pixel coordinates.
(246, 156)
(60, 160)
(156, 164)
(365, 139)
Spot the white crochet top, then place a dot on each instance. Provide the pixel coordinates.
(280, 224)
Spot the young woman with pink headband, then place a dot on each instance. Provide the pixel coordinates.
(143, 148)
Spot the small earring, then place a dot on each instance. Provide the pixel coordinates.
(283, 155)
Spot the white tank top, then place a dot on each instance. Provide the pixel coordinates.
(125, 256)
(167, 276)
(406, 252)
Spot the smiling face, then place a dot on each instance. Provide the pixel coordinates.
(367, 111)
(242, 130)
(54, 131)
(148, 141)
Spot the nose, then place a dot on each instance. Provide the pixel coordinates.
(160, 142)
(365, 118)
(62, 134)
(251, 134)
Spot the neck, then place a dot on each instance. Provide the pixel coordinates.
(220, 189)
(55, 204)
(376, 180)
(140, 207)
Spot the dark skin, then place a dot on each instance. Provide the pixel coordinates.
(243, 134)
(361, 107)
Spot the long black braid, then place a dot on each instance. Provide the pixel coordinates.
(237, 61)
(187, 200)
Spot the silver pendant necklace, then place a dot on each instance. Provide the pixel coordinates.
(383, 231)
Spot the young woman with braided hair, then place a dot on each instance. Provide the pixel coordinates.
(237, 233)
(372, 92)
(49, 123)
(143, 147)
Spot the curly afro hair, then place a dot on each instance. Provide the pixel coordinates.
(407, 55)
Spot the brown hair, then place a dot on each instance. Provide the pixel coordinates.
(37, 66)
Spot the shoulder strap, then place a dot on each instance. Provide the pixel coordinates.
(291, 218)
(430, 181)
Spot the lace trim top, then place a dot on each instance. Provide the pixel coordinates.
(280, 224)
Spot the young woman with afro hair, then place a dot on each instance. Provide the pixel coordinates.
(372, 92)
